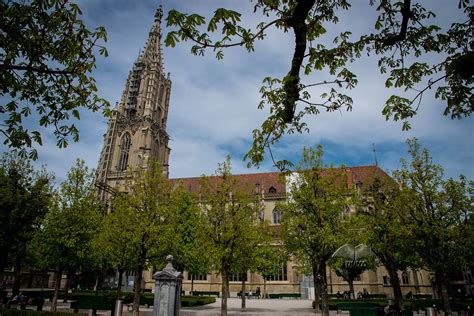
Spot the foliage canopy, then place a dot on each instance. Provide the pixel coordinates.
(402, 37)
(47, 55)
(313, 226)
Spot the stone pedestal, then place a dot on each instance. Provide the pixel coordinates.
(167, 290)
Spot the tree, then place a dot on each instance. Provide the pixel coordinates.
(255, 246)
(112, 245)
(146, 206)
(268, 261)
(188, 249)
(231, 219)
(47, 56)
(64, 242)
(312, 225)
(24, 201)
(402, 29)
(386, 233)
(439, 216)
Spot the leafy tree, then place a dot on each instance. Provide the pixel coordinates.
(385, 232)
(268, 261)
(188, 250)
(47, 56)
(112, 245)
(402, 29)
(231, 215)
(255, 247)
(146, 209)
(439, 216)
(312, 226)
(24, 201)
(64, 242)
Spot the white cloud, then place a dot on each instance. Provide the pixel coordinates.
(213, 105)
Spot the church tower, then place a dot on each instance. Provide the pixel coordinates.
(136, 133)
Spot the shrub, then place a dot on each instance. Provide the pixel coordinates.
(187, 301)
(27, 312)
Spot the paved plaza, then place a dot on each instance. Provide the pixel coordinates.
(255, 307)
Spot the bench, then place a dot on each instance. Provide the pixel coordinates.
(94, 305)
(37, 302)
(206, 293)
(284, 295)
(361, 309)
(247, 294)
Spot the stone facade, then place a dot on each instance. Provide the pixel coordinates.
(136, 133)
(273, 189)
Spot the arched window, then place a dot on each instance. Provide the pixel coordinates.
(276, 216)
(272, 190)
(405, 278)
(124, 150)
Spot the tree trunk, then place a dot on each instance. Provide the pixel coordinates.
(351, 289)
(17, 275)
(316, 290)
(96, 284)
(397, 290)
(192, 284)
(225, 292)
(68, 284)
(324, 290)
(57, 287)
(137, 287)
(265, 295)
(119, 285)
(242, 296)
(4, 251)
(442, 281)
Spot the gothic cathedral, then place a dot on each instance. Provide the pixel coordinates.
(136, 133)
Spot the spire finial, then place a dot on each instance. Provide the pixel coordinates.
(159, 13)
(375, 155)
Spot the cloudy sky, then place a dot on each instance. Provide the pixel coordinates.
(213, 106)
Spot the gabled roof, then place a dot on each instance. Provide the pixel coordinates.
(364, 176)
(361, 176)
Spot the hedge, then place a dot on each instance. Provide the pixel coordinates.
(27, 312)
(188, 301)
(106, 300)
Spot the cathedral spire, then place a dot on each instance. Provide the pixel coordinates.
(137, 128)
(152, 52)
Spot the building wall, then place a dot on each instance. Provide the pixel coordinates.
(417, 282)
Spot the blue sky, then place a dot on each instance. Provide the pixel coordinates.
(213, 106)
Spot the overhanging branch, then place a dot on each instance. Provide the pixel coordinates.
(37, 69)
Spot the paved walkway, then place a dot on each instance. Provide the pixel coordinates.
(255, 307)
(260, 307)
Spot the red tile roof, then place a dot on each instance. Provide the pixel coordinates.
(362, 176)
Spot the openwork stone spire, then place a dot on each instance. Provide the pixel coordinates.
(153, 51)
(137, 128)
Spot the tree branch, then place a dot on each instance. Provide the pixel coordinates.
(290, 85)
(36, 69)
(322, 83)
(406, 14)
(204, 44)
